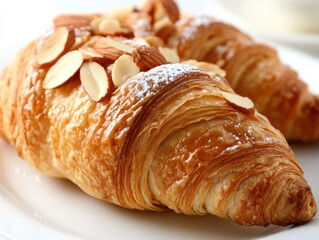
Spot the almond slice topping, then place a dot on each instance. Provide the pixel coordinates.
(111, 48)
(123, 69)
(120, 14)
(74, 20)
(243, 104)
(211, 69)
(147, 58)
(107, 26)
(95, 81)
(55, 46)
(154, 41)
(191, 62)
(90, 54)
(164, 29)
(160, 9)
(81, 37)
(169, 54)
(164, 22)
(63, 69)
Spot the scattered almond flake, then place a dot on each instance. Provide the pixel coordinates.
(190, 31)
(157, 78)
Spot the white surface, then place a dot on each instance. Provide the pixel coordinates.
(33, 206)
(291, 22)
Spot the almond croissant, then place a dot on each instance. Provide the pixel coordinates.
(253, 70)
(172, 137)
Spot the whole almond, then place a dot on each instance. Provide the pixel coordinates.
(95, 81)
(147, 58)
(112, 49)
(63, 69)
(54, 46)
(123, 69)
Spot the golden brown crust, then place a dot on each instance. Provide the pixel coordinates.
(166, 138)
(202, 156)
(254, 70)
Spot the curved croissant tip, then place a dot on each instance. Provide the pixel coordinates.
(297, 205)
(291, 203)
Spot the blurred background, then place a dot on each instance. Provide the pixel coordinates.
(293, 23)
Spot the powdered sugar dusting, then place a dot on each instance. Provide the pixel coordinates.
(148, 83)
(190, 31)
(136, 42)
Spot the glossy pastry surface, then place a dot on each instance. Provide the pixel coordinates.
(170, 137)
(253, 70)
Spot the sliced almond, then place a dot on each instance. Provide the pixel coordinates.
(164, 29)
(161, 24)
(92, 41)
(120, 14)
(63, 69)
(154, 41)
(169, 55)
(243, 104)
(111, 48)
(167, 33)
(161, 8)
(123, 69)
(171, 9)
(191, 62)
(54, 46)
(81, 37)
(147, 58)
(95, 81)
(108, 27)
(74, 20)
(211, 69)
(90, 54)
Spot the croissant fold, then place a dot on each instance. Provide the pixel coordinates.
(253, 70)
(172, 137)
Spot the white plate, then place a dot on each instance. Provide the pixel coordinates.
(33, 206)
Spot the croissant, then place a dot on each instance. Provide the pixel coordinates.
(253, 70)
(170, 137)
